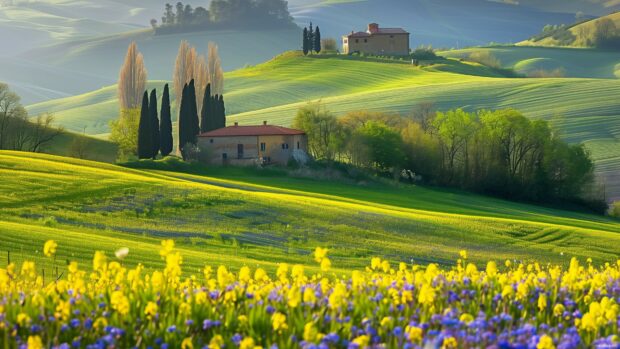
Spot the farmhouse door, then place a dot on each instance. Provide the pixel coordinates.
(239, 151)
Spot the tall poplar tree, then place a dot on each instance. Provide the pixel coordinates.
(145, 134)
(165, 126)
(193, 110)
(154, 122)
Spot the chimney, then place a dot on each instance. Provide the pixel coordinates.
(373, 28)
(265, 123)
(236, 124)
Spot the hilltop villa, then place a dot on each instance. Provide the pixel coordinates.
(377, 41)
(252, 145)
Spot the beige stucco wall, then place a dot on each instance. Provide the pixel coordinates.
(378, 44)
(214, 147)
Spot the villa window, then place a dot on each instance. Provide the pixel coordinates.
(346, 41)
(357, 41)
(263, 147)
(211, 140)
(365, 40)
(284, 145)
(297, 145)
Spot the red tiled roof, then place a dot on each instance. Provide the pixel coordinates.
(359, 35)
(392, 31)
(261, 130)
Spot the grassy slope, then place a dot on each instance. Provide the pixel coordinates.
(584, 110)
(588, 26)
(265, 217)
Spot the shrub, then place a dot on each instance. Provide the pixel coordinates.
(614, 209)
(485, 57)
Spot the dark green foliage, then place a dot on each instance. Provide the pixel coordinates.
(154, 122)
(222, 112)
(206, 119)
(165, 128)
(145, 132)
(305, 46)
(184, 120)
(310, 38)
(227, 14)
(317, 40)
(193, 110)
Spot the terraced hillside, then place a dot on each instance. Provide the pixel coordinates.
(582, 109)
(236, 218)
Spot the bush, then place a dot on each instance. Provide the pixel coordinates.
(424, 53)
(485, 57)
(614, 209)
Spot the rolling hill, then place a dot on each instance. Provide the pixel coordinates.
(247, 217)
(582, 109)
(585, 27)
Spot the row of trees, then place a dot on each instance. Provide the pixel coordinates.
(17, 131)
(226, 14)
(311, 40)
(495, 152)
(198, 84)
(154, 136)
(602, 33)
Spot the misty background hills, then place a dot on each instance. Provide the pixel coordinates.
(81, 43)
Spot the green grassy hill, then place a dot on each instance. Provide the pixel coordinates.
(576, 63)
(252, 217)
(582, 109)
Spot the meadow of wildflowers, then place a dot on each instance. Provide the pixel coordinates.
(384, 306)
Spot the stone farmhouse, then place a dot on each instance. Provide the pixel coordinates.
(254, 145)
(377, 41)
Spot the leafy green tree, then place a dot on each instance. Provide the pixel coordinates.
(322, 129)
(124, 132)
(385, 145)
(317, 40)
(165, 126)
(145, 132)
(155, 123)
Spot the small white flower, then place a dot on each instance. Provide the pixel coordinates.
(121, 253)
(561, 253)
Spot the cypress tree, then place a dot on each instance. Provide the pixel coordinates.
(145, 135)
(317, 40)
(205, 120)
(305, 42)
(213, 125)
(183, 120)
(310, 38)
(222, 112)
(165, 126)
(193, 110)
(154, 123)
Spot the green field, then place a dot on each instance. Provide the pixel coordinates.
(252, 217)
(582, 109)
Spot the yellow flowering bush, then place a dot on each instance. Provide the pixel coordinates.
(406, 306)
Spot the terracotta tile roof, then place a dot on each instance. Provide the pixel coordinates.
(392, 31)
(359, 35)
(261, 130)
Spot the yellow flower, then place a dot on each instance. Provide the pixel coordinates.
(325, 264)
(414, 333)
(466, 318)
(463, 254)
(449, 343)
(338, 297)
(387, 322)
(151, 310)
(294, 297)
(558, 310)
(310, 332)
(278, 321)
(245, 274)
(217, 342)
(362, 341)
(247, 343)
(542, 302)
(99, 261)
(427, 295)
(545, 342)
(320, 254)
(375, 263)
(49, 249)
(187, 343)
(166, 247)
(588, 323)
(23, 319)
(63, 310)
(119, 302)
(309, 296)
(34, 342)
(491, 269)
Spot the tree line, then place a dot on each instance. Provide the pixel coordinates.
(311, 40)
(225, 14)
(198, 84)
(603, 33)
(501, 152)
(18, 131)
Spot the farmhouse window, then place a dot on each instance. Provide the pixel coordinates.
(224, 156)
(211, 140)
(263, 147)
(284, 145)
(346, 41)
(365, 40)
(357, 41)
(297, 145)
